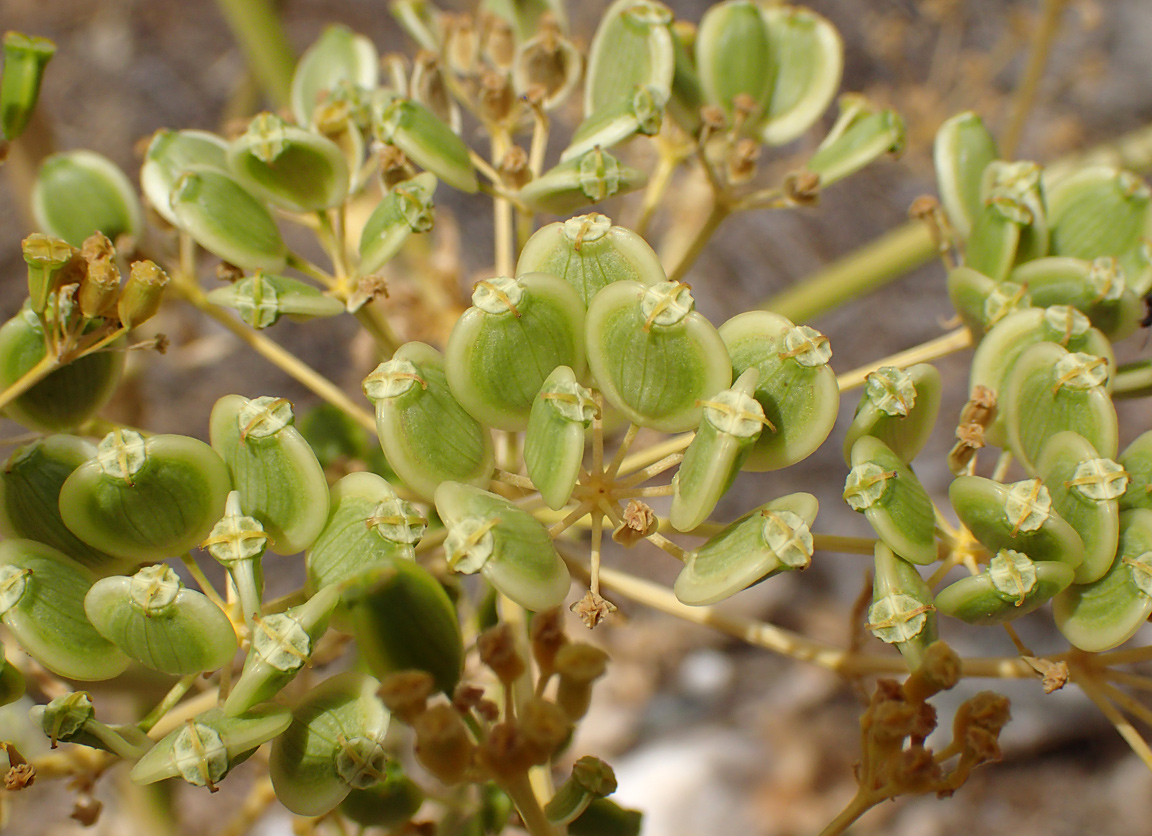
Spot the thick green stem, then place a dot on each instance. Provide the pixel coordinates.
(257, 28)
(873, 265)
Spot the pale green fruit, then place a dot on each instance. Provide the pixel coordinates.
(504, 346)
(581, 181)
(77, 193)
(68, 396)
(1018, 516)
(42, 604)
(1100, 615)
(962, 150)
(981, 302)
(288, 166)
(1097, 289)
(1137, 463)
(280, 481)
(554, 443)
(25, 58)
(368, 525)
(632, 48)
(899, 407)
(883, 488)
(902, 613)
(590, 252)
(158, 622)
(338, 57)
(1013, 585)
(808, 56)
(11, 681)
(30, 485)
(206, 748)
(643, 113)
(282, 645)
(733, 421)
(771, 539)
(1084, 489)
(653, 356)
(407, 208)
(797, 389)
(426, 435)
(170, 154)
(227, 220)
(1050, 390)
(734, 58)
(145, 500)
(488, 534)
(526, 16)
(261, 300)
(428, 142)
(335, 744)
(861, 135)
(403, 619)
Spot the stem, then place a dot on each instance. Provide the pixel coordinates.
(259, 798)
(942, 346)
(202, 581)
(788, 643)
(860, 804)
(655, 453)
(844, 545)
(277, 355)
(1025, 97)
(44, 367)
(256, 27)
(1119, 721)
(1133, 380)
(657, 186)
(165, 705)
(519, 789)
(872, 266)
(720, 211)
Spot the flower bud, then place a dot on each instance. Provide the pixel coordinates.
(100, 290)
(591, 778)
(406, 693)
(579, 665)
(497, 646)
(142, 294)
(46, 258)
(443, 744)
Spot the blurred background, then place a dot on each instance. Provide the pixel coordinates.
(707, 735)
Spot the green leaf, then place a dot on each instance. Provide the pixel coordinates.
(554, 442)
(1012, 586)
(227, 220)
(1084, 489)
(1018, 516)
(899, 407)
(42, 604)
(335, 743)
(77, 193)
(1100, 615)
(632, 48)
(809, 60)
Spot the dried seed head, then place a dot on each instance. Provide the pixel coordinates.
(514, 170)
(142, 293)
(496, 96)
(544, 727)
(505, 753)
(497, 647)
(498, 42)
(442, 743)
(461, 43)
(406, 693)
(579, 666)
(639, 521)
(740, 161)
(100, 289)
(980, 408)
(547, 637)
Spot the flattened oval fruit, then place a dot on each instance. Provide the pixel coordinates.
(555, 440)
(1012, 586)
(42, 603)
(145, 500)
(653, 356)
(899, 407)
(279, 479)
(426, 435)
(503, 347)
(887, 492)
(797, 389)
